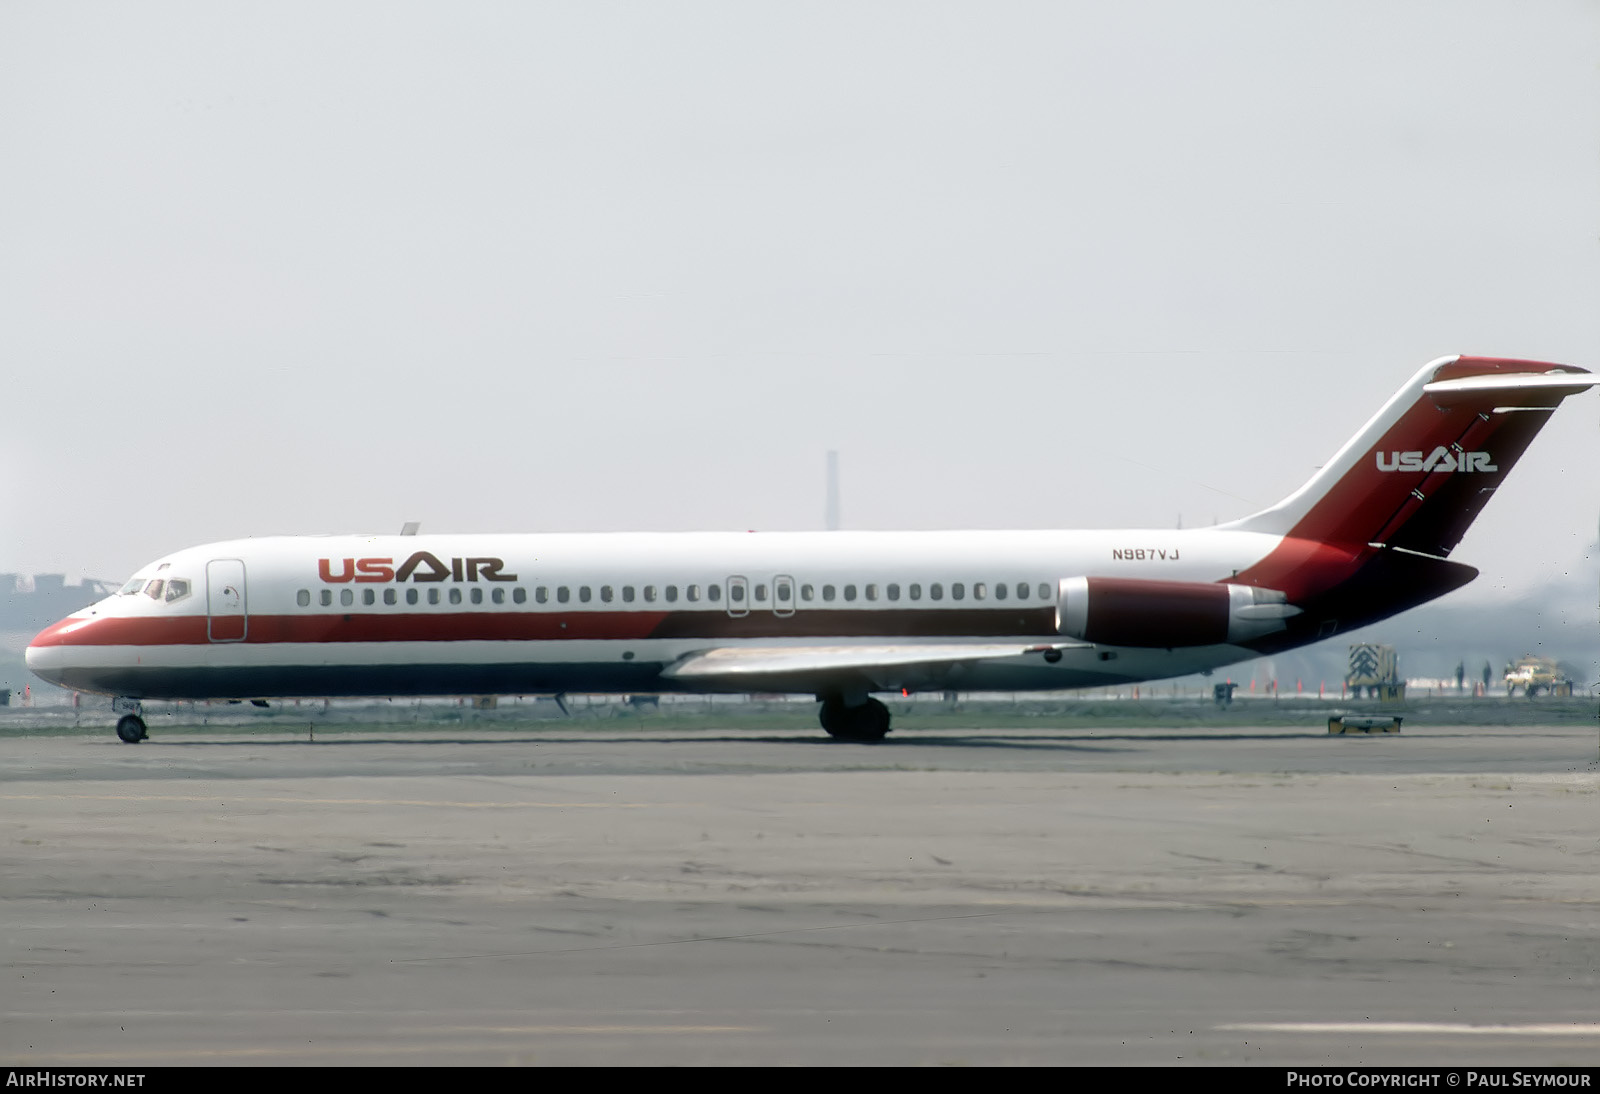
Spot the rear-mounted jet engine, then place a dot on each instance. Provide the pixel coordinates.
(1115, 611)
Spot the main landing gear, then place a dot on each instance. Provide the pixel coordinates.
(130, 727)
(867, 720)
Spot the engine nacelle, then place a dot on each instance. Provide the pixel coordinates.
(1117, 611)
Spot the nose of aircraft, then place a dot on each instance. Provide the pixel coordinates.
(46, 653)
(56, 633)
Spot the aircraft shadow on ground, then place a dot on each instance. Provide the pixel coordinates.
(1083, 741)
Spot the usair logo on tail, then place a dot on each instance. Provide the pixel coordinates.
(1440, 459)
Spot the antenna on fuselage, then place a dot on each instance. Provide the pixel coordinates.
(831, 515)
(410, 527)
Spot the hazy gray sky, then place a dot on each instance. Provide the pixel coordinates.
(326, 267)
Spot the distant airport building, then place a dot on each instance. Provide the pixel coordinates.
(32, 603)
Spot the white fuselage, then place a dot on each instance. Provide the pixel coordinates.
(346, 615)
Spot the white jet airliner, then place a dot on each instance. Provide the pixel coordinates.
(840, 615)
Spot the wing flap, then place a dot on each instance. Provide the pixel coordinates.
(754, 663)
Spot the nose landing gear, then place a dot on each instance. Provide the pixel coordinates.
(130, 726)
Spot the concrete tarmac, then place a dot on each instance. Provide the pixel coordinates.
(718, 897)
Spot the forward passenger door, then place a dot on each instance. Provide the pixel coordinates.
(225, 600)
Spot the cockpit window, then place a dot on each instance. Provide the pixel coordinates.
(153, 590)
(131, 587)
(177, 589)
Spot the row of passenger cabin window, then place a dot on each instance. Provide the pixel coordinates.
(782, 593)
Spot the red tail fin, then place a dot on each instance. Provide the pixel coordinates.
(1422, 469)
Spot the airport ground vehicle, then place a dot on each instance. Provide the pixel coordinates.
(1534, 674)
(840, 615)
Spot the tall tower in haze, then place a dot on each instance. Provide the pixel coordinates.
(831, 517)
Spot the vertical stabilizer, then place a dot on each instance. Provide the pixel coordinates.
(1424, 466)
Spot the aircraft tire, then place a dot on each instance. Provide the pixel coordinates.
(867, 722)
(130, 727)
(831, 716)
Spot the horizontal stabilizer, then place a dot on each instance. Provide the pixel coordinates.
(1495, 386)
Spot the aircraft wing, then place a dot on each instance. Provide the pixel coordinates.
(882, 667)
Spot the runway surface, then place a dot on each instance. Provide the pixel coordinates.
(950, 898)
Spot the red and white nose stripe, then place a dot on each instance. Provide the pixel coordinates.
(46, 654)
(69, 632)
(76, 642)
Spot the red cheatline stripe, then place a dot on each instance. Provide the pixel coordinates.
(501, 626)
